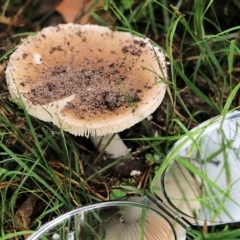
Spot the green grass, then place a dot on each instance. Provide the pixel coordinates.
(53, 172)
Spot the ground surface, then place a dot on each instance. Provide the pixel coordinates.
(45, 172)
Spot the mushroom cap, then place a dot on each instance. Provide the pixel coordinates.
(87, 79)
(181, 189)
(130, 226)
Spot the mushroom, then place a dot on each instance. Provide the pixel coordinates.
(136, 222)
(88, 80)
(182, 190)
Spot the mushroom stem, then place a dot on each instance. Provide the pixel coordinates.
(116, 148)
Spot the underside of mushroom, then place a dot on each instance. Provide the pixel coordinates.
(135, 223)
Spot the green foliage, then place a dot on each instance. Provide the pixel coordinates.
(126, 4)
(117, 193)
(153, 158)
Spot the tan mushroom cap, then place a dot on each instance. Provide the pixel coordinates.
(182, 190)
(154, 227)
(87, 79)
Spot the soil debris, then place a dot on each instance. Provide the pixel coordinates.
(95, 89)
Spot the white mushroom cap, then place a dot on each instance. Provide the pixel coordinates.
(136, 222)
(182, 190)
(87, 79)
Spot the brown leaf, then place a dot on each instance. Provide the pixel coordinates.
(24, 213)
(77, 10)
(5, 20)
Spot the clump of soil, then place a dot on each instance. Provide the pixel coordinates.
(94, 89)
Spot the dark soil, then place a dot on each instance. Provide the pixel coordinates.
(92, 93)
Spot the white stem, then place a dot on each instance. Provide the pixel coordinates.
(116, 147)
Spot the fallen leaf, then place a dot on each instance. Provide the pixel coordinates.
(24, 213)
(5, 20)
(77, 10)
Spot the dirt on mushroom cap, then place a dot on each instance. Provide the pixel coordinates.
(97, 91)
(110, 74)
